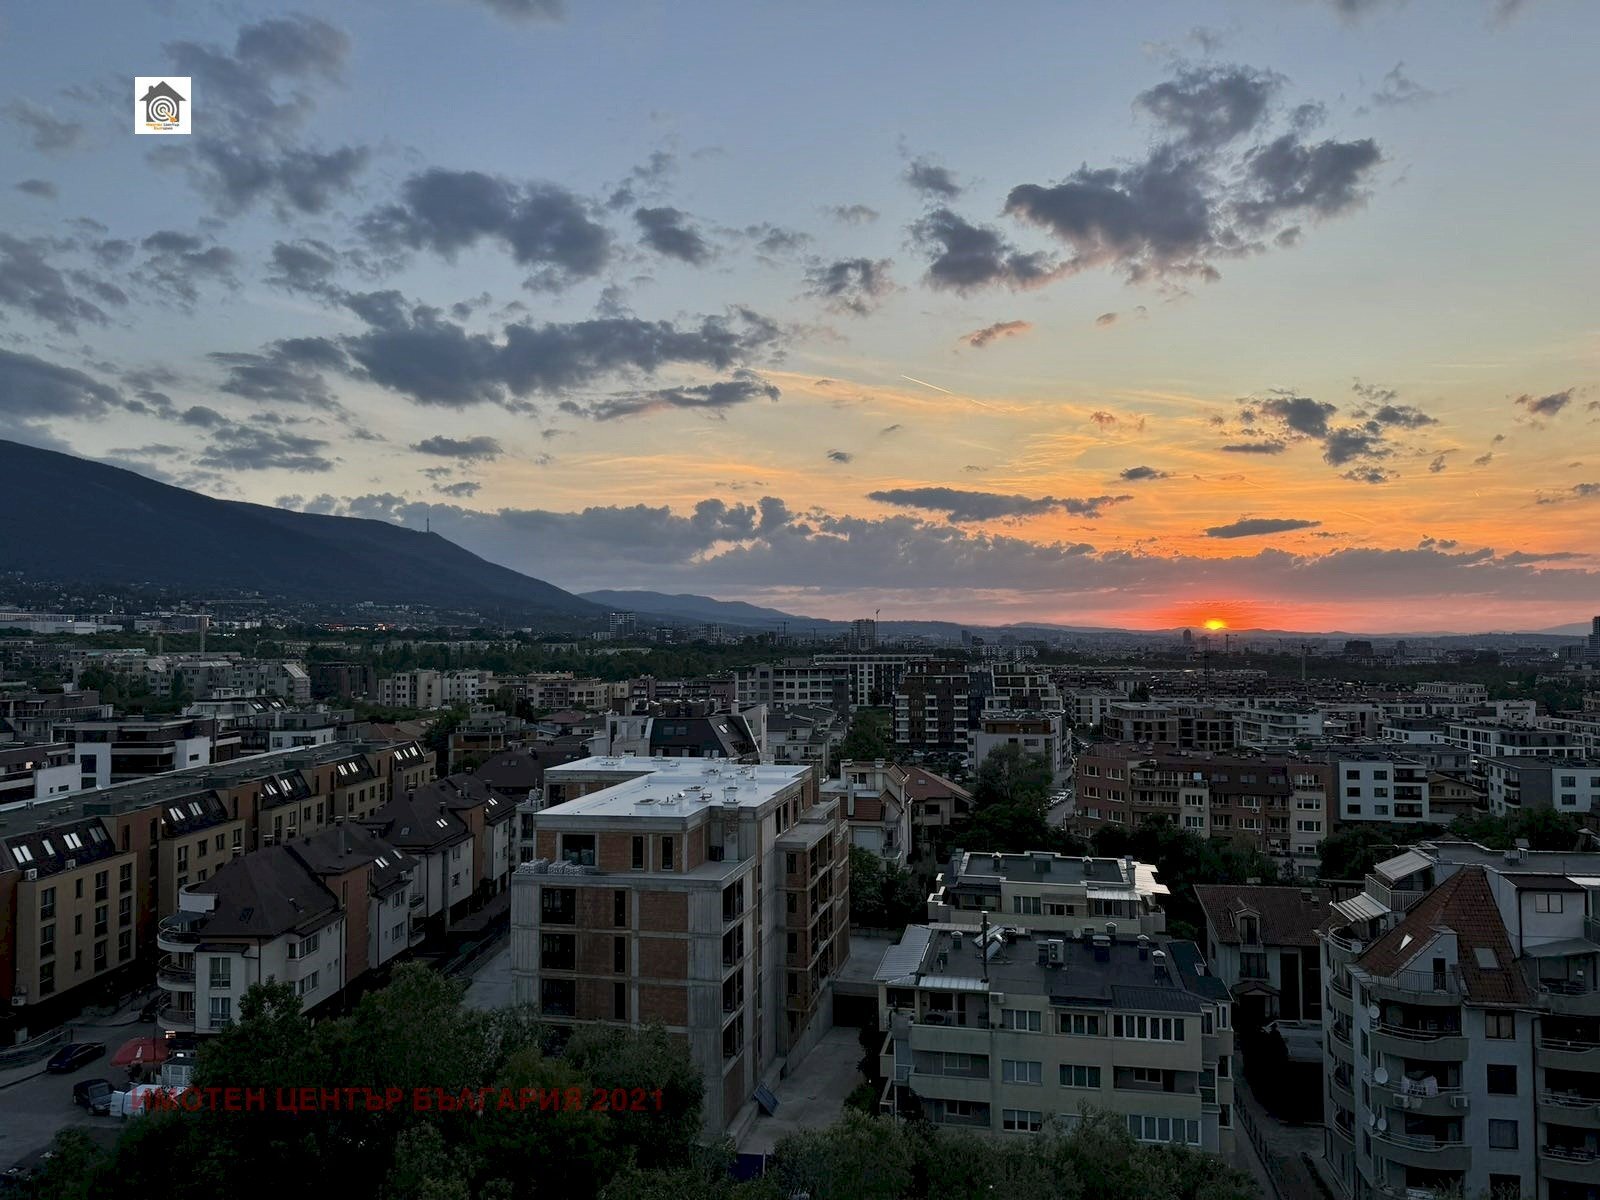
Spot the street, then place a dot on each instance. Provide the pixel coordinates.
(35, 1106)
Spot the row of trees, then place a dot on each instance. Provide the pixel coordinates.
(1352, 851)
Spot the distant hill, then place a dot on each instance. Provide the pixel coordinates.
(706, 610)
(73, 520)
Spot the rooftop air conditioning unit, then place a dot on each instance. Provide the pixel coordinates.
(31, 874)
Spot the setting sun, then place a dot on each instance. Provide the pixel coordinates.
(1216, 623)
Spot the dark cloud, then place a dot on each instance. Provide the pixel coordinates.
(526, 10)
(45, 131)
(888, 429)
(648, 178)
(840, 456)
(1272, 447)
(1399, 90)
(469, 449)
(1483, 460)
(42, 189)
(250, 448)
(850, 285)
(852, 214)
(304, 265)
(176, 264)
(1301, 414)
(774, 241)
(932, 180)
(1369, 475)
(1396, 416)
(33, 389)
(1544, 406)
(545, 226)
(964, 257)
(1350, 442)
(1256, 526)
(711, 398)
(669, 232)
(202, 417)
(1291, 177)
(1136, 474)
(1208, 107)
(290, 371)
(1437, 465)
(959, 505)
(60, 297)
(1108, 318)
(1578, 491)
(1110, 420)
(254, 149)
(459, 490)
(979, 338)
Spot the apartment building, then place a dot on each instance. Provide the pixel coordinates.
(933, 707)
(1462, 1026)
(1385, 787)
(1087, 707)
(1004, 1031)
(1051, 892)
(935, 804)
(439, 838)
(803, 735)
(1034, 732)
(36, 771)
(1525, 782)
(873, 677)
(793, 683)
(1486, 739)
(1262, 942)
(877, 814)
(428, 689)
(711, 898)
(117, 749)
(33, 716)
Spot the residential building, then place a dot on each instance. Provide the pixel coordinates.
(117, 749)
(1006, 1031)
(933, 707)
(864, 634)
(873, 677)
(1528, 782)
(1487, 739)
(803, 735)
(36, 771)
(426, 825)
(935, 804)
(1087, 707)
(1383, 787)
(1050, 892)
(1034, 732)
(1262, 942)
(872, 797)
(710, 897)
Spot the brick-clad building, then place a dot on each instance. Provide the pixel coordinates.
(710, 897)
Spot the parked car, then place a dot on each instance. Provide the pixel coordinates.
(152, 1007)
(93, 1094)
(69, 1058)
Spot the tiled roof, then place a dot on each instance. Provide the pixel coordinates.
(267, 893)
(1288, 918)
(924, 785)
(1463, 904)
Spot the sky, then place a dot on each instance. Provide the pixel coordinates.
(1275, 312)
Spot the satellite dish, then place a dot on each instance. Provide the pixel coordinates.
(1373, 1012)
(1383, 1124)
(1372, 1118)
(1381, 1075)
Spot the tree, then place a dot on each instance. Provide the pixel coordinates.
(1010, 775)
(867, 739)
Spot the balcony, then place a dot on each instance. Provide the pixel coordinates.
(1394, 899)
(1570, 1164)
(1569, 998)
(1428, 1045)
(1569, 1056)
(1343, 1078)
(951, 1087)
(174, 976)
(1442, 1103)
(1345, 945)
(176, 1020)
(1420, 1150)
(1568, 1108)
(1418, 987)
(1339, 1045)
(180, 932)
(1343, 1125)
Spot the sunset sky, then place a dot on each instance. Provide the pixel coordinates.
(1282, 312)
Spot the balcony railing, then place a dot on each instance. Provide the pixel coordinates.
(168, 969)
(1341, 984)
(1420, 1035)
(1576, 1154)
(1570, 1100)
(1420, 983)
(181, 927)
(1418, 1141)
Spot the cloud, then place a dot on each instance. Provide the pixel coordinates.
(31, 284)
(526, 10)
(1369, 475)
(958, 505)
(176, 264)
(1545, 406)
(1399, 90)
(964, 257)
(469, 449)
(1110, 420)
(856, 286)
(932, 181)
(304, 265)
(1271, 447)
(888, 429)
(463, 488)
(840, 456)
(249, 448)
(1257, 526)
(1578, 491)
(1108, 318)
(852, 214)
(46, 132)
(1137, 474)
(1000, 330)
(254, 148)
(545, 226)
(1483, 460)
(774, 241)
(288, 372)
(1301, 414)
(712, 398)
(41, 189)
(31, 388)
(1437, 465)
(1208, 107)
(669, 233)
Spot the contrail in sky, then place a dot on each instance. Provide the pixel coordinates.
(948, 392)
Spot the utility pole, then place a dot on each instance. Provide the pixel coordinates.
(983, 945)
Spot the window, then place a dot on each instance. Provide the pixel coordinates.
(304, 987)
(638, 853)
(558, 906)
(222, 1010)
(102, 919)
(1023, 1020)
(125, 878)
(1021, 1120)
(47, 978)
(619, 1001)
(1547, 902)
(125, 945)
(1150, 1029)
(619, 954)
(1028, 906)
(100, 956)
(558, 997)
(1165, 1129)
(47, 904)
(1014, 1070)
(1502, 1079)
(221, 972)
(578, 849)
(1224, 1116)
(1224, 1068)
(558, 951)
(1252, 966)
(102, 884)
(1499, 1025)
(619, 908)
(957, 1064)
(1078, 1076)
(305, 947)
(1502, 1135)
(1080, 1024)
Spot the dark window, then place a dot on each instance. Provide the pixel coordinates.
(619, 954)
(1500, 1025)
(125, 875)
(558, 997)
(666, 855)
(1502, 1079)
(102, 884)
(638, 854)
(102, 920)
(1502, 1135)
(99, 956)
(558, 906)
(619, 1001)
(558, 951)
(1505, 1187)
(578, 848)
(619, 908)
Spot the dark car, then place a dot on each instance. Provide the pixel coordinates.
(152, 1007)
(70, 1058)
(93, 1094)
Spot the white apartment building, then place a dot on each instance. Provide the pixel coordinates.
(1523, 782)
(1034, 732)
(1051, 892)
(873, 804)
(1090, 706)
(1380, 787)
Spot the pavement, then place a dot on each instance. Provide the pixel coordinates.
(491, 982)
(1286, 1143)
(813, 1096)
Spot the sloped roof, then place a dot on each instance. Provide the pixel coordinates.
(1464, 905)
(925, 785)
(1397, 868)
(1288, 918)
(266, 893)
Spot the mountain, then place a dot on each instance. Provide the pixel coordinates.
(71, 520)
(706, 610)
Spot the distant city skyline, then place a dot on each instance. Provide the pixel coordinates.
(1272, 312)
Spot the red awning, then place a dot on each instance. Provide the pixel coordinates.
(141, 1052)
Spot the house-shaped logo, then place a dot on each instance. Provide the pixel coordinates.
(161, 105)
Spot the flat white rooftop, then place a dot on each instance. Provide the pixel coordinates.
(665, 787)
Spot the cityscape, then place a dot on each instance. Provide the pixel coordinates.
(790, 604)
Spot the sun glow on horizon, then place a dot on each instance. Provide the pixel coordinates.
(1216, 623)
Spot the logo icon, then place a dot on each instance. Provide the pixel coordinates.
(161, 104)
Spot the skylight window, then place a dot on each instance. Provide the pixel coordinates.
(23, 854)
(1486, 958)
(1405, 941)
(48, 848)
